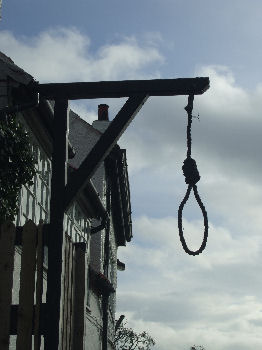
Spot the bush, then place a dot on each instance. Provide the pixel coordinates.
(17, 165)
(127, 339)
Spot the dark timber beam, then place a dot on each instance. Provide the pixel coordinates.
(126, 88)
(56, 234)
(102, 148)
(14, 318)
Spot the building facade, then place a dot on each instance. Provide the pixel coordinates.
(100, 216)
(111, 182)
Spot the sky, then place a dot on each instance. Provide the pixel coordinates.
(214, 299)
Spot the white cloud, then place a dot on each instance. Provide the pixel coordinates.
(230, 329)
(185, 300)
(224, 96)
(213, 299)
(221, 286)
(63, 55)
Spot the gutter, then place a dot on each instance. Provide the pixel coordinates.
(90, 194)
(19, 108)
(33, 102)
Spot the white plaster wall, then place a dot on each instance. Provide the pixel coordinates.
(97, 251)
(93, 340)
(94, 323)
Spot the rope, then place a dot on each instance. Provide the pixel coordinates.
(191, 178)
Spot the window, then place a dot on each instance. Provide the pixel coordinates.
(35, 199)
(76, 224)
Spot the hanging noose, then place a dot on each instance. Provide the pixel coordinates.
(191, 178)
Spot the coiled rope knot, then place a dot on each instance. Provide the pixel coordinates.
(190, 171)
(191, 178)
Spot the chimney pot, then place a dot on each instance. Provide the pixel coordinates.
(103, 112)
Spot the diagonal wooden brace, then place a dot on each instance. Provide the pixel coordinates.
(102, 148)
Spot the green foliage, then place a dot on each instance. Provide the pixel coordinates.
(17, 165)
(128, 339)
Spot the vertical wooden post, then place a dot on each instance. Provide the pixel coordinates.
(27, 287)
(67, 286)
(79, 306)
(69, 294)
(56, 234)
(64, 293)
(39, 288)
(7, 249)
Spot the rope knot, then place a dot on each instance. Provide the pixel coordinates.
(190, 171)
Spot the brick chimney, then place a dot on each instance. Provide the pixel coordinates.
(102, 122)
(103, 112)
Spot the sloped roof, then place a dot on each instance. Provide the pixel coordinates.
(9, 68)
(74, 115)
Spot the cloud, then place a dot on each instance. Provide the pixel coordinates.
(213, 299)
(226, 145)
(228, 132)
(65, 54)
(219, 333)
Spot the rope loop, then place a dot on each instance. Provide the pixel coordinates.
(192, 176)
(180, 221)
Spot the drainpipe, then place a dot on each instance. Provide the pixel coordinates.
(105, 300)
(105, 297)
